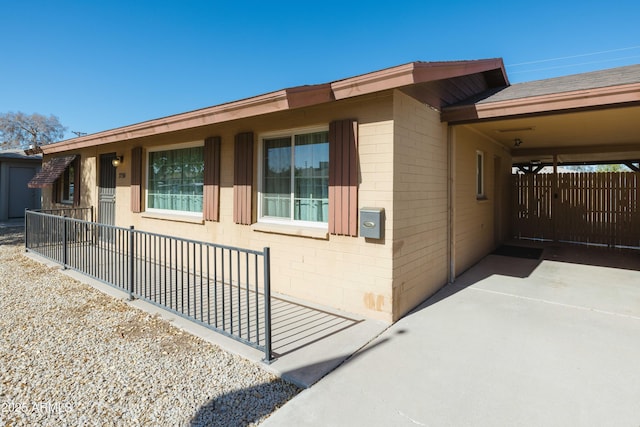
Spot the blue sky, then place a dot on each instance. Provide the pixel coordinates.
(101, 65)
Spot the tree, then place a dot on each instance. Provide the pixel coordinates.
(612, 168)
(20, 130)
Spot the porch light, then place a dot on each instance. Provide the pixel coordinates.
(517, 142)
(116, 161)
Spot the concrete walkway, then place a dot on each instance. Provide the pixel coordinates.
(514, 342)
(308, 340)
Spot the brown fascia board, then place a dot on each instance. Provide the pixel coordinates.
(263, 104)
(286, 99)
(295, 97)
(413, 73)
(305, 96)
(430, 71)
(544, 104)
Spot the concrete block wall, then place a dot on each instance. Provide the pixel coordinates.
(475, 224)
(348, 273)
(403, 168)
(420, 203)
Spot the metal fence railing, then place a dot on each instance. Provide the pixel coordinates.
(71, 212)
(224, 288)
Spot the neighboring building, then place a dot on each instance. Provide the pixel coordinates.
(429, 146)
(16, 170)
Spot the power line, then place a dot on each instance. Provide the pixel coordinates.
(572, 65)
(573, 56)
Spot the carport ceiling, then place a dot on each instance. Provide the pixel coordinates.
(587, 136)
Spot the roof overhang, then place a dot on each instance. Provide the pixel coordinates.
(398, 77)
(622, 95)
(416, 73)
(582, 118)
(604, 134)
(51, 170)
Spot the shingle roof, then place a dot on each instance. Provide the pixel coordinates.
(595, 79)
(18, 154)
(51, 170)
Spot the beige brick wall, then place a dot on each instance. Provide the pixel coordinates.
(348, 273)
(420, 203)
(479, 225)
(402, 168)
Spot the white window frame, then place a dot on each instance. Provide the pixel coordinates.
(169, 147)
(480, 175)
(283, 134)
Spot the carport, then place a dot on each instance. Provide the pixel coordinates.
(584, 119)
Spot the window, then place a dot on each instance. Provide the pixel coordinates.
(67, 185)
(175, 180)
(295, 178)
(480, 175)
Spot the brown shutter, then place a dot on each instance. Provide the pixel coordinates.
(243, 178)
(136, 179)
(77, 181)
(211, 191)
(343, 177)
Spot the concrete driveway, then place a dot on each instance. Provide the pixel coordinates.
(514, 342)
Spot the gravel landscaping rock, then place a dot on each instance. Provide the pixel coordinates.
(70, 355)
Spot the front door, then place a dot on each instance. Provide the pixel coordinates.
(107, 190)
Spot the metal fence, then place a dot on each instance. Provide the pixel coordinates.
(71, 212)
(224, 288)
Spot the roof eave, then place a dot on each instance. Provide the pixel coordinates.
(414, 73)
(270, 102)
(545, 104)
(287, 99)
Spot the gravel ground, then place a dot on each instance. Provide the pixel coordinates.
(70, 355)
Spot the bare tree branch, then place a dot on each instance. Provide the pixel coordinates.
(20, 130)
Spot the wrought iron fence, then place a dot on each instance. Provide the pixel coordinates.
(224, 288)
(71, 212)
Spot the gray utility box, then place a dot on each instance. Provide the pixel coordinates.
(372, 223)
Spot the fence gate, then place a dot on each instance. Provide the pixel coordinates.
(595, 207)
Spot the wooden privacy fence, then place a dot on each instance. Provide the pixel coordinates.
(596, 208)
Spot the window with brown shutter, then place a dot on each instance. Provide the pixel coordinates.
(294, 180)
(67, 186)
(175, 179)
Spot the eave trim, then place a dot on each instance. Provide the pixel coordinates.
(286, 99)
(544, 104)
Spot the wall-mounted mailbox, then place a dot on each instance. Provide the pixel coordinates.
(372, 223)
